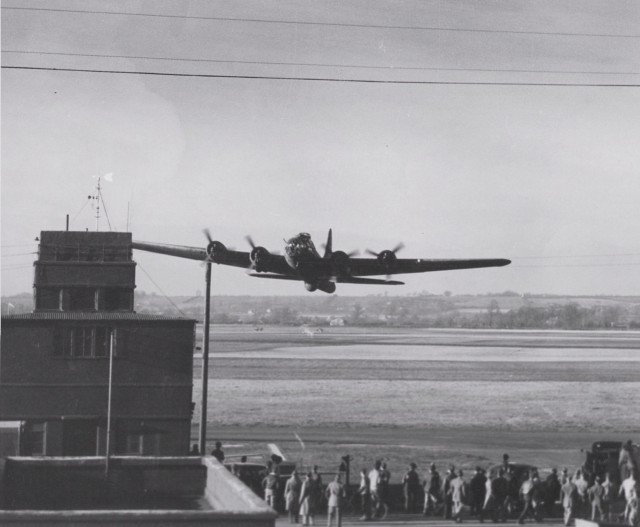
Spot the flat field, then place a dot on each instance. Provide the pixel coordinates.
(449, 395)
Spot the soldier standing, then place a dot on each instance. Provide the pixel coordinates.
(457, 488)
(446, 494)
(569, 494)
(335, 497)
(477, 486)
(292, 496)
(551, 491)
(596, 495)
(410, 488)
(432, 487)
(365, 496)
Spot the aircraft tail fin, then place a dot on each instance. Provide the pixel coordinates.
(328, 249)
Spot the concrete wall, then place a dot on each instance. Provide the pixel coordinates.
(35, 482)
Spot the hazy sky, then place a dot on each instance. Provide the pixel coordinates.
(518, 172)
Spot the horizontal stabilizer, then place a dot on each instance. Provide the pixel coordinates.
(275, 276)
(372, 281)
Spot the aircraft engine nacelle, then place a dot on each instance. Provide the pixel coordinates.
(327, 287)
(215, 250)
(340, 264)
(387, 259)
(259, 256)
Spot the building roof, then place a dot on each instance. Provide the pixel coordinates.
(98, 316)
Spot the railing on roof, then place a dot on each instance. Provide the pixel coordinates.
(84, 253)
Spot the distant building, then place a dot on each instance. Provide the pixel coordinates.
(54, 362)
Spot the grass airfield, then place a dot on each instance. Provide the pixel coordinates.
(450, 396)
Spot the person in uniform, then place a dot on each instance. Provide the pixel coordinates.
(383, 489)
(582, 485)
(365, 495)
(432, 485)
(446, 494)
(457, 492)
(270, 486)
(306, 510)
(596, 495)
(500, 492)
(629, 488)
(477, 488)
(335, 495)
(609, 492)
(217, 452)
(489, 502)
(551, 491)
(292, 497)
(410, 488)
(374, 483)
(569, 494)
(513, 492)
(526, 495)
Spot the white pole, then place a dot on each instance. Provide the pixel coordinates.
(108, 445)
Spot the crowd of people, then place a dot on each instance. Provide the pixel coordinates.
(505, 491)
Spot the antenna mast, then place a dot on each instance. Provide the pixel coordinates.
(97, 197)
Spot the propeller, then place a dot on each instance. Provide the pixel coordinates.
(214, 248)
(397, 248)
(258, 255)
(387, 258)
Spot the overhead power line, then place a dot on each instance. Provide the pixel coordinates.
(573, 256)
(327, 24)
(581, 265)
(321, 79)
(314, 64)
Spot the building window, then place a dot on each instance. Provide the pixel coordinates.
(142, 444)
(34, 439)
(47, 298)
(116, 299)
(85, 342)
(81, 299)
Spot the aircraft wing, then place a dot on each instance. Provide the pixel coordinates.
(371, 266)
(275, 262)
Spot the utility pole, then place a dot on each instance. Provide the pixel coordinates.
(205, 362)
(108, 442)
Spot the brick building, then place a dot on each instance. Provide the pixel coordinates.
(54, 362)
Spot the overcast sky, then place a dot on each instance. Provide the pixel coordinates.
(542, 175)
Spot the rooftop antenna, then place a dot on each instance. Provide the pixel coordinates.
(96, 197)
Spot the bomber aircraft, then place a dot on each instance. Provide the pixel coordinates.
(301, 261)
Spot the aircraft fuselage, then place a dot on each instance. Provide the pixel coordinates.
(301, 255)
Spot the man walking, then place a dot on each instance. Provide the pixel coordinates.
(335, 495)
(432, 485)
(569, 494)
(374, 485)
(292, 496)
(458, 493)
(596, 495)
(410, 488)
(477, 487)
(551, 491)
(526, 494)
(446, 492)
